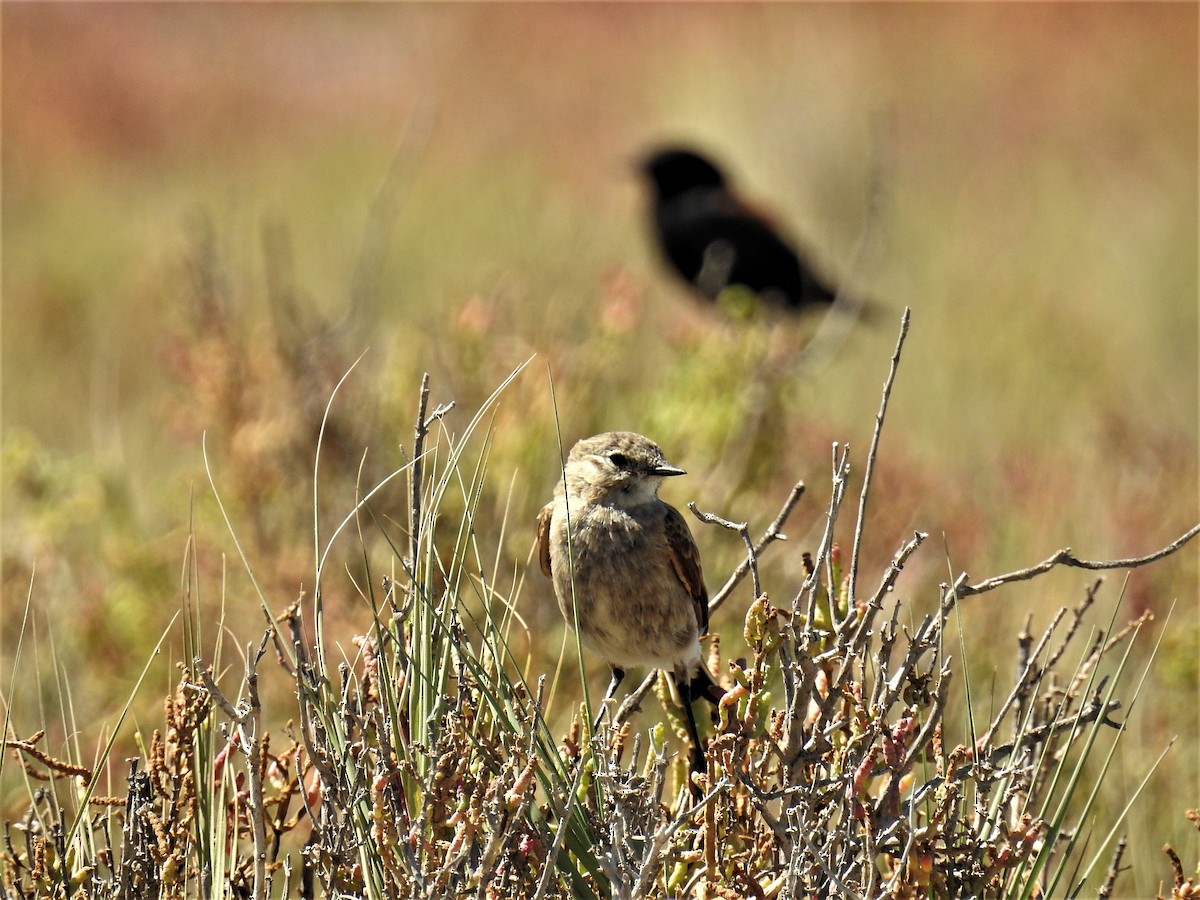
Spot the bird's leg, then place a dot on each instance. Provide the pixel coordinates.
(699, 763)
(614, 682)
(713, 277)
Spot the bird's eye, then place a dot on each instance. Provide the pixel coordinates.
(620, 460)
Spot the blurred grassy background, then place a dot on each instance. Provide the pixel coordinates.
(1039, 213)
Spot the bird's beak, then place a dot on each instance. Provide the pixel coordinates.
(664, 470)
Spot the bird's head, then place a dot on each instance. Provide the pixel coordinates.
(675, 170)
(621, 468)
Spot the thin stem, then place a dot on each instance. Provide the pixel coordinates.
(1064, 557)
(879, 417)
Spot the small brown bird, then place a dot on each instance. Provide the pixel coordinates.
(625, 566)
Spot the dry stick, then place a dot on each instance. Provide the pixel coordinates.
(248, 720)
(797, 691)
(1101, 647)
(1025, 679)
(932, 720)
(633, 700)
(1077, 614)
(1114, 869)
(1064, 557)
(303, 674)
(795, 694)
(1028, 679)
(414, 503)
(556, 847)
(420, 433)
(742, 529)
(773, 533)
(879, 416)
(254, 763)
(841, 472)
(658, 841)
(847, 649)
(1096, 711)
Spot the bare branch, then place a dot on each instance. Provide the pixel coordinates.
(1114, 869)
(841, 472)
(633, 700)
(863, 631)
(862, 498)
(742, 529)
(773, 533)
(246, 717)
(1029, 675)
(1064, 557)
(414, 509)
(252, 741)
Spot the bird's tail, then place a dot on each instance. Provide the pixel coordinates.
(703, 685)
(816, 291)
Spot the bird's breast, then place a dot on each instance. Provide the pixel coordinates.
(619, 582)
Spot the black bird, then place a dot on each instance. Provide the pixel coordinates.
(714, 240)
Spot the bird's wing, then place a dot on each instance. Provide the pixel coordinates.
(694, 221)
(685, 560)
(543, 538)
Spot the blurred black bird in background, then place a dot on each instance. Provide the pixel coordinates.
(714, 240)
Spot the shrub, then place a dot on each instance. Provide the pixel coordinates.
(429, 764)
